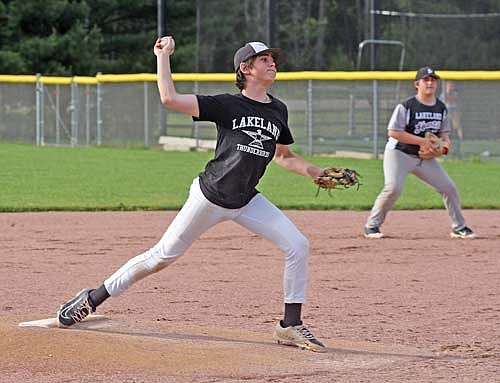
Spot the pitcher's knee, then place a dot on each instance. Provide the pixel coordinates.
(167, 251)
(156, 262)
(300, 248)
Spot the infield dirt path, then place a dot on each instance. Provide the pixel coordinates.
(416, 306)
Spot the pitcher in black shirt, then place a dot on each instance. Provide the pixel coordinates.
(252, 129)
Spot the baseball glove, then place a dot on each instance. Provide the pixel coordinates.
(333, 178)
(433, 147)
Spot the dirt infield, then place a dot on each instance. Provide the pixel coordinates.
(416, 306)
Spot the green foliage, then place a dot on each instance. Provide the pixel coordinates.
(128, 32)
(467, 43)
(81, 37)
(12, 62)
(45, 178)
(49, 37)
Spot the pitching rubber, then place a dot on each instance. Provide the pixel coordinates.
(54, 322)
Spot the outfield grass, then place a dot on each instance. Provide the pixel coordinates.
(49, 178)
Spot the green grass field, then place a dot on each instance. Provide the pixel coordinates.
(50, 178)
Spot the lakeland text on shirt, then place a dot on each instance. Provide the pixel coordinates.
(247, 134)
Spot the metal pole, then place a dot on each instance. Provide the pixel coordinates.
(352, 106)
(309, 114)
(366, 21)
(58, 114)
(42, 115)
(401, 64)
(162, 17)
(87, 114)
(99, 112)
(375, 118)
(375, 84)
(196, 125)
(37, 111)
(162, 31)
(372, 35)
(198, 39)
(74, 113)
(146, 115)
(196, 87)
(270, 22)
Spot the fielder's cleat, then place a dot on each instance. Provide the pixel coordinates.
(373, 232)
(298, 336)
(464, 232)
(76, 309)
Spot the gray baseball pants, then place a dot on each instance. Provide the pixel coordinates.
(397, 166)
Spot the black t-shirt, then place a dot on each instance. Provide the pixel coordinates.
(421, 118)
(247, 133)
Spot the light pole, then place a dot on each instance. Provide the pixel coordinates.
(162, 31)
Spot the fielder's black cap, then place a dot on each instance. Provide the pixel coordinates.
(426, 72)
(257, 48)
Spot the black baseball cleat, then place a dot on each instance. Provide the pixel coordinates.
(373, 232)
(464, 232)
(76, 309)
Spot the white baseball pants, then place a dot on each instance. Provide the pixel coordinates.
(198, 215)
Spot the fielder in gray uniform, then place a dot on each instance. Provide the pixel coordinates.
(407, 126)
(252, 130)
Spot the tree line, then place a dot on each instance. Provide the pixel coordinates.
(72, 37)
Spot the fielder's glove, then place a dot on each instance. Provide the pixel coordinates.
(433, 147)
(333, 177)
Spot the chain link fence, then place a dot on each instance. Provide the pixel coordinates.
(343, 113)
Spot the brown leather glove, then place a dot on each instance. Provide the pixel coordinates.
(334, 177)
(433, 147)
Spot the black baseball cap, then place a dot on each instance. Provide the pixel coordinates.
(426, 72)
(257, 48)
